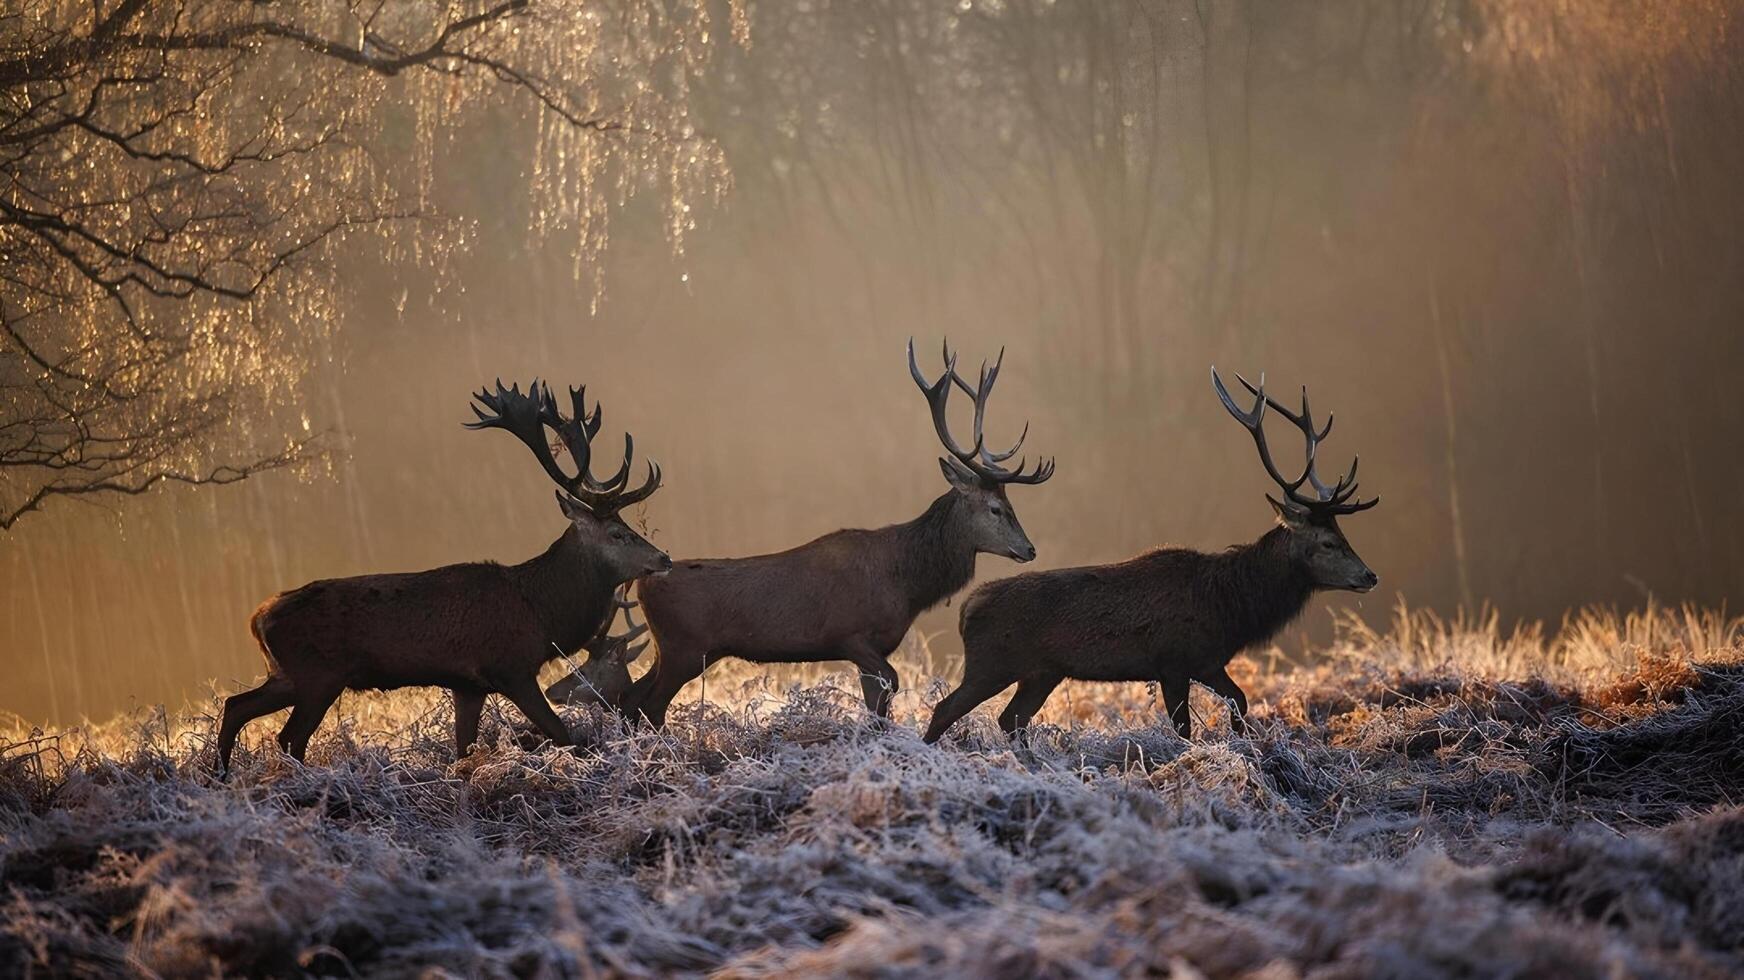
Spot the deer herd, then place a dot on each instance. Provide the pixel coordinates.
(1170, 616)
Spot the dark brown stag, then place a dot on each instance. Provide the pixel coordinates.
(475, 628)
(850, 595)
(1172, 616)
(605, 677)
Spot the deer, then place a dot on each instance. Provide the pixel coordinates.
(852, 594)
(476, 628)
(604, 678)
(1171, 616)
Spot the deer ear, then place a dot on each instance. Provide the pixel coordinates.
(960, 476)
(1290, 515)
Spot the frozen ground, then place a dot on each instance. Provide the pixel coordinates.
(1437, 800)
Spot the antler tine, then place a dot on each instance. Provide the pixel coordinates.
(992, 459)
(1346, 490)
(1303, 421)
(610, 495)
(527, 416)
(1329, 416)
(1346, 483)
(1311, 443)
(951, 368)
(618, 479)
(1247, 419)
(1330, 500)
(980, 459)
(523, 417)
(1043, 472)
(1312, 439)
(1254, 422)
(1324, 492)
(938, 394)
(632, 630)
(626, 498)
(1337, 499)
(1306, 424)
(577, 434)
(578, 405)
(983, 388)
(1002, 457)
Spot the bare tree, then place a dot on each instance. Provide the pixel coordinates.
(174, 175)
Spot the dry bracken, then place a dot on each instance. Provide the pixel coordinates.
(1424, 801)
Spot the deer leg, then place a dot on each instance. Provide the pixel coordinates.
(879, 689)
(527, 696)
(306, 716)
(638, 692)
(671, 672)
(1221, 684)
(468, 706)
(1032, 693)
(276, 694)
(967, 696)
(1175, 699)
(878, 680)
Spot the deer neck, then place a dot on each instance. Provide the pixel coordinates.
(935, 556)
(1261, 589)
(569, 590)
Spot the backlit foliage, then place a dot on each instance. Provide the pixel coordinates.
(178, 176)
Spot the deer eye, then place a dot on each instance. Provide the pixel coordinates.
(997, 510)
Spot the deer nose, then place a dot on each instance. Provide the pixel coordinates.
(665, 561)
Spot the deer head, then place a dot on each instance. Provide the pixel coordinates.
(592, 506)
(977, 474)
(1316, 542)
(606, 675)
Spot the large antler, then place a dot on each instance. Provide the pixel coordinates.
(979, 459)
(526, 416)
(606, 644)
(1333, 500)
(606, 675)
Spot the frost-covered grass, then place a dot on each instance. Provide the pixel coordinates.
(1436, 799)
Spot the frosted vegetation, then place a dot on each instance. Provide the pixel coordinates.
(1436, 799)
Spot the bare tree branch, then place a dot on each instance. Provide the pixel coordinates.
(174, 175)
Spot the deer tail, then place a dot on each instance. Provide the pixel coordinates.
(256, 627)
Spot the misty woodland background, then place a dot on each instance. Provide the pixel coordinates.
(1500, 239)
(253, 257)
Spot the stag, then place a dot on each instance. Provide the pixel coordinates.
(604, 678)
(1173, 615)
(850, 595)
(474, 628)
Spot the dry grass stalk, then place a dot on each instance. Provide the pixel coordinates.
(1442, 798)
